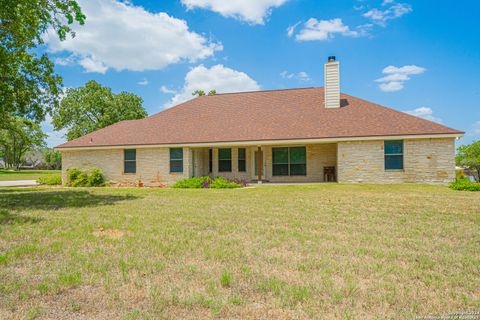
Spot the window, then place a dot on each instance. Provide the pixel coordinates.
(176, 160)
(225, 160)
(242, 163)
(289, 161)
(129, 161)
(210, 160)
(298, 161)
(393, 155)
(280, 161)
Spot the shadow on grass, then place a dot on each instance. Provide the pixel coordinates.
(7, 218)
(56, 199)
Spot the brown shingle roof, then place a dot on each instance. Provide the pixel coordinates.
(261, 115)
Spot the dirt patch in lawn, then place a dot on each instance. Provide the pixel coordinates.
(108, 233)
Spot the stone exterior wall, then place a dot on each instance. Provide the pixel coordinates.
(153, 165)
(429, 161)
(318, 157)
(425, 161)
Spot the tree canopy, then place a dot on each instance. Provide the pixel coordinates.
(93, 106)
(53, 159)
(201, 93)
(468, 156)
(20, 136)
(29, 86)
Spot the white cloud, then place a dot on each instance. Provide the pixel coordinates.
(396, 77)
(395, 11)
(165, 89)
(302, 75)
(425, 113)
(409, 69)
(54, 137)
(385, 2)
(391, 86)
(144, 82)
(125, 37)
(251, 11)
(325, 29)
(218, 77)
(65, 61)
(291, 29)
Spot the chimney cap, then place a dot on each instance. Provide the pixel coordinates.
(331, 59)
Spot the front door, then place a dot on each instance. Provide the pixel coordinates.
(255, 158)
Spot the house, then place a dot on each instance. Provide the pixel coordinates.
(293, 135)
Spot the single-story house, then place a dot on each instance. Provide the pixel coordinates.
(292, 135)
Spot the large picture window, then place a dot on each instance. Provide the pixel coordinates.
(289, 161)
(225, 160)
(393, 150)
(176, 159)
(242, 163)
(129, 161)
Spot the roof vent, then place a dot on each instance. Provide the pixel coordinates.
(332, 83)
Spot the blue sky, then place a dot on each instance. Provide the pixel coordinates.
(417, 56)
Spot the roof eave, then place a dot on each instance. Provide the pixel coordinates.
(455, 135)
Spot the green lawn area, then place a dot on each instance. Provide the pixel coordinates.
(10, 175)
(312, 251)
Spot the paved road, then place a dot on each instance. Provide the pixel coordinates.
(18, 183)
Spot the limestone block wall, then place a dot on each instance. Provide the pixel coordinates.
(318, 157)
(153, 165)
(429, 161)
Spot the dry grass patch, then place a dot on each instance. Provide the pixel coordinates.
(335, 251)
(109, 233)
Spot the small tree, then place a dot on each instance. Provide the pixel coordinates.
(468, 156)
(21, 136)
(201, 93)
(53, 159)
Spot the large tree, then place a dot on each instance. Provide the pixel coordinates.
(20, 136)
(94, 106)
(28, 84)
(468, 156)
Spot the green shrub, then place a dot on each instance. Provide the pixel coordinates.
(193, 183)
(95, 178)
(72, 175)
(222, 183)
(206, 182)
(81, 181)
(464, 185)
(51, 181)
(85, 178)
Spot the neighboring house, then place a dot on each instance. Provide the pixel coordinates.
(293, 135)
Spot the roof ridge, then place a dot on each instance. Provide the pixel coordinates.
(259, 91)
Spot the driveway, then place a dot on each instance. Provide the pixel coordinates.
(18, 183)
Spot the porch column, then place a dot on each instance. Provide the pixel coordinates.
(259, 164)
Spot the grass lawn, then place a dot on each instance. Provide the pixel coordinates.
(10, 175)
(312, 251)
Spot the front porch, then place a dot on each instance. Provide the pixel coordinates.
(270, 163)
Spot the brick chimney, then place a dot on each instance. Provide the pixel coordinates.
(332, 83)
